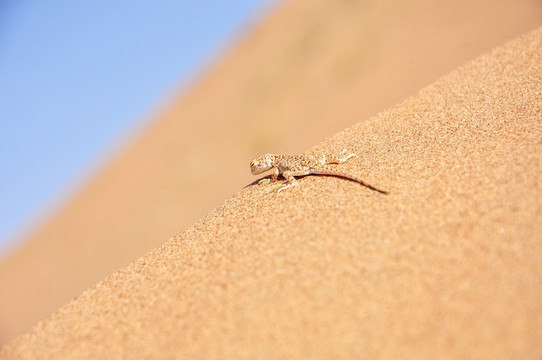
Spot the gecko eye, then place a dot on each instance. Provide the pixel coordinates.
(253, 165)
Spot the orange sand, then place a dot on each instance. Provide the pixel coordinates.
(448, 266)
(310, 69)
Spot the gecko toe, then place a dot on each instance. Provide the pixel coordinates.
(288, 186)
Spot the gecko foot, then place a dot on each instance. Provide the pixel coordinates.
(341, 158)
(289, 185)
(345, 155)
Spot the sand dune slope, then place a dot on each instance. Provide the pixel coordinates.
(449, 265)
(307, 70)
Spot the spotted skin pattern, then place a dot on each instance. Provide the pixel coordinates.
(290, 166)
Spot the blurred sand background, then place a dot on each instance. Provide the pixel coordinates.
(308, 70)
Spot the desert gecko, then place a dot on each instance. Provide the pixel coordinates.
(290, 166)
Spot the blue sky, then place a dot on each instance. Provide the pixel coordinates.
(75, 76)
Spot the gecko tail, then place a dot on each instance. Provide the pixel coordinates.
(348, 177)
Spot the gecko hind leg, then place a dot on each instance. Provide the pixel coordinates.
(344, 155)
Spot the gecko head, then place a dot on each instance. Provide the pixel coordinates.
(262, 164)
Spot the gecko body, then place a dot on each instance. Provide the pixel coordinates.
(290, 166)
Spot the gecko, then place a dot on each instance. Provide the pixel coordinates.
(290, 166)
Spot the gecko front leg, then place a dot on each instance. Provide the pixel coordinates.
(291, 181)
(274, 177)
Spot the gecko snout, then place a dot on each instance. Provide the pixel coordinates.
(259, 165)
(256, 168)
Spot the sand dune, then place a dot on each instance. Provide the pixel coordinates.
(448, 265)
(310, 69)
